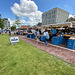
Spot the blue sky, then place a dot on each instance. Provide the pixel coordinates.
(43, 6)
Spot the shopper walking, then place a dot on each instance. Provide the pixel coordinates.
(46, 37)
(9, 32)
(37, 35)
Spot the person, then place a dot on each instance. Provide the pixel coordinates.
(54, 32)
(40, 32)
(46, 37)
(37, 35)
(9, 32)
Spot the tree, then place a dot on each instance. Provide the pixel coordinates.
(2, 23)
(13, 27)
(17, 22)
(39, 24)
(70, 19)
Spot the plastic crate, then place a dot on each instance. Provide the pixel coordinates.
(71, 44)
(42, 38)
(56, 40)
(62, 40)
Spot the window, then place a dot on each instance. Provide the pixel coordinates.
(53, 20)
(43, 15)
(53, 16)
(50, 13)
(46, 21)
(57, 16)
(63, 13)
(43, 22)
(60, 12)
(60, 17)
(57, 11)
(46, 14)
(43, 19)
(49, 21)
(54, 11)
(57, 20)
(46, 18)
(49, 17)
(60, 20)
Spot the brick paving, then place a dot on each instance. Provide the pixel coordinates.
(64, 54)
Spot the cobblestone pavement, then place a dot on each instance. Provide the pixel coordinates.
(64, 54)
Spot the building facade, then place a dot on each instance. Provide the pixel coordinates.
(25, 26)
(56, 15)
(7, 24)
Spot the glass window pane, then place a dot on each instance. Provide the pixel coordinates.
(54, 11)
(49, 17)
(53, 20)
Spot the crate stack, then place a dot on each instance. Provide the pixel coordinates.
(62, 40)
(55, 40)
(58, 40)
(71, 44)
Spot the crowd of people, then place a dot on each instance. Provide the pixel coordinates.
(5, 32)
(48, 35)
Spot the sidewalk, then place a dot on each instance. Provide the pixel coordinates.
(64, 54)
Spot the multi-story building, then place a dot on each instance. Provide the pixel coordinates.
(7, 24)
(56, 15)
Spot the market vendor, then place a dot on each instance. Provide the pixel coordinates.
(54, 32)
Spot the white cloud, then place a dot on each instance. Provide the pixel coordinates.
(72, 16)
(23, 21)
(28, 8)
(12, 21)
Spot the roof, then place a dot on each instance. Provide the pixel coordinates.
(25, 26)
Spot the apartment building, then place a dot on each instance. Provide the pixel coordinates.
(7, 24)
(56, 15)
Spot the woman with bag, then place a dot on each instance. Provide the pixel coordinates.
(37, 35)
(46, 37)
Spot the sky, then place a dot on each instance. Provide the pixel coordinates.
(30, 11)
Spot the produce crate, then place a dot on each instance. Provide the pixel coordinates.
(71, 44)
(42, 38)
(62, 40)
(55, 40)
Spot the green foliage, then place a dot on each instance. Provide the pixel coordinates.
(39, 24)
(70, 19)
(17, 21)
(13, 27)
(1, 23)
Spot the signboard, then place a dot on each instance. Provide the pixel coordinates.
(14, 40)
